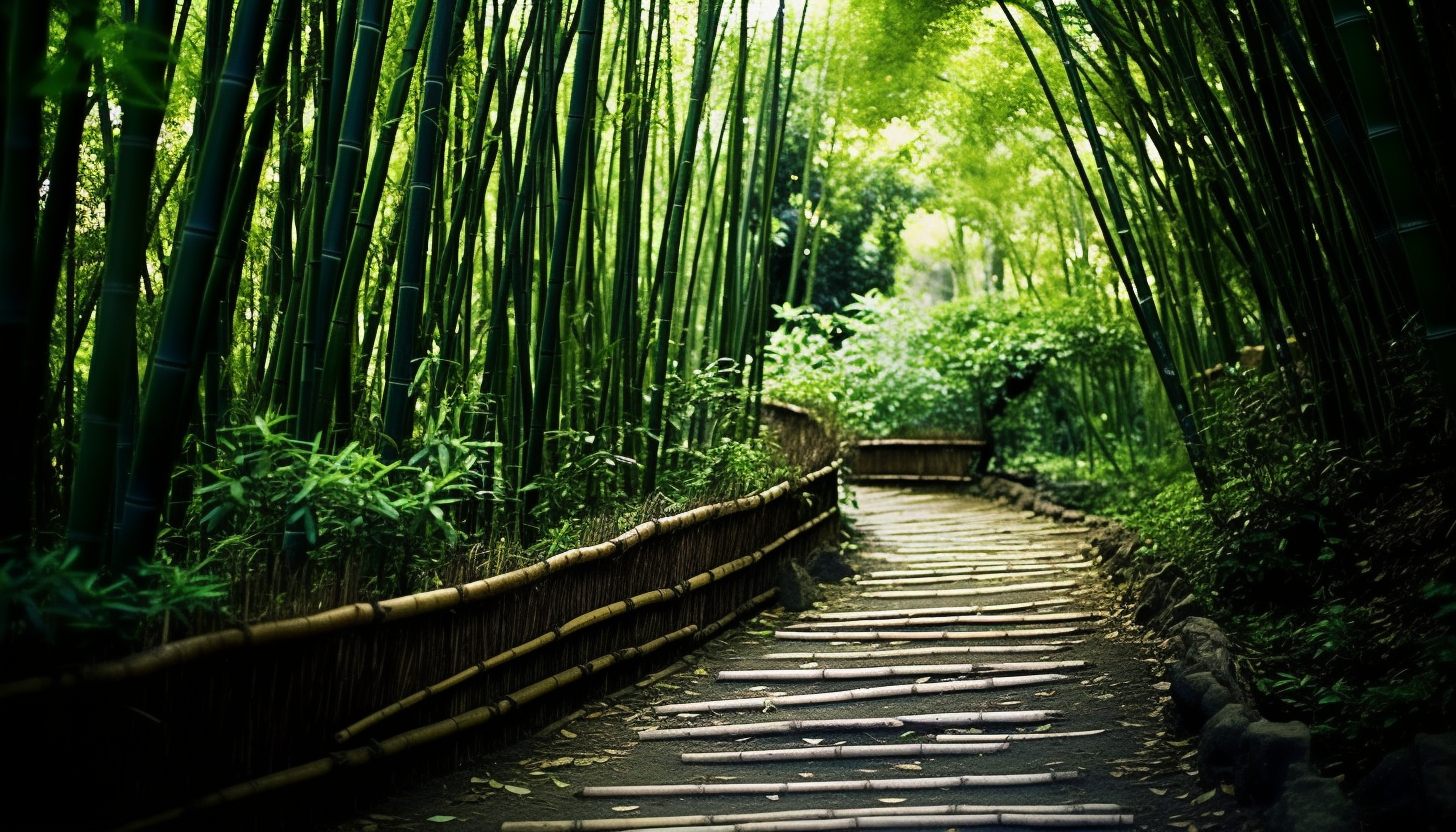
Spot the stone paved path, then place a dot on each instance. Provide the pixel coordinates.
(987, 618)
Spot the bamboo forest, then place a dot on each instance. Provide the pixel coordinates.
(447, 412)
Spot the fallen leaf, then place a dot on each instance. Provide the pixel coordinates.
(1040, 728)
(813, 741)
(1159, 792)
(891, 799)
(495, 784)
(441, 818)
(518, 790)
(625, 808)
(479, 780)
(907, 767)
(559, 784)
(567, 734)
(772, 796)
(806, 774)
(700, 672)
(1203, 798)
(1227, 788)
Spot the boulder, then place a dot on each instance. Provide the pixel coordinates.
(1267, 751)
(1310, 803)
(797, 589)
(1437, 755)
(1413, 787)
(1222, 737)
(1177, 612)
(1188, 689)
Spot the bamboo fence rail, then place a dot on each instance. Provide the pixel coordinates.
(846, 752)
(581, 622)
(819, 787)
(911, 635)
(756, 703)
(628, 823)
(831, 673)
(791, 726)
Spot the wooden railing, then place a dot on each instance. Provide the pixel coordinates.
(916, 460)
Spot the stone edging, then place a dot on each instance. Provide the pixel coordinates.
(1268, 763)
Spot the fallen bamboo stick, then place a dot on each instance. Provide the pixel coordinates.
(954, 650)
(848, 752)
(953, 579)
(757, 703)
(978, 590)
(912, 635)
(929, 620)
(987, 569)
(1041, 735)
(630, 823)
(962, 719)
(576, 624)
(963, 558)
(908, 821)
(831, 673)
(971, 610)
(394, 609)
(813, 787)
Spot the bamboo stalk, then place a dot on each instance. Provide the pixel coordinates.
(770, 675)
(952, 579)
(914, 635)
(755, 703)
(395, 609)
(915, 611)
(793, 726)
(959, 649)
(927, 621)
(1043, 735)
(918, 821)
(819, 787)
(623, 824)
(979, 590)
(846, 752)
(578, 623)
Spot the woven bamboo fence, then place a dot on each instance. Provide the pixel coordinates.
(254, 711)
(916, 460)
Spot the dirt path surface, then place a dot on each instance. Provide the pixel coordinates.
(929, 563)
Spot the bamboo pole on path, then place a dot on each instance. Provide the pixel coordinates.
(1040, 735)
(908, 821)
(915, 635)
(831, 673)
(977, 590)
(819, 787)
(980, 569)
(758, 703)
(624, 824)
(961, 719)
(959, 649)
(972, 557)
(848, 752)
(929, 621)
(953, 579)
(914, 611)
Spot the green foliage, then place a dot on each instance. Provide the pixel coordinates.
(49, 601)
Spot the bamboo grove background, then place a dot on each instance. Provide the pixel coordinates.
(302, 269)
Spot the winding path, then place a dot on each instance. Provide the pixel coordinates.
(972, 675)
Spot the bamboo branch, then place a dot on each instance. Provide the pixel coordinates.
(794, 726)
(846, 752)
(819, 787)
(893, 670)
(911, 635)
(755, 703)
(628, 823)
